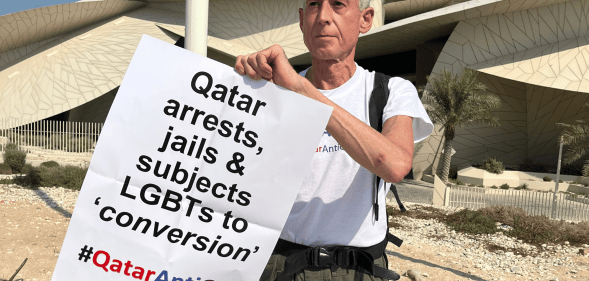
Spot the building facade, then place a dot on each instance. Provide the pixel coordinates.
(67, 61)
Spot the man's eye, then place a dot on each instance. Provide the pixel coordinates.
(314, 3)
(338, 3)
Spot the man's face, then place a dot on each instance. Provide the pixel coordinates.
(331, 27)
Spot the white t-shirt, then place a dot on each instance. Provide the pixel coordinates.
(334, 204)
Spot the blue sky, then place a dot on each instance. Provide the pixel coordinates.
(11, 6)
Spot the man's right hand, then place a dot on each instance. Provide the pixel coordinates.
(270, 64)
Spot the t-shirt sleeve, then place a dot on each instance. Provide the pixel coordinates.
(403, 100)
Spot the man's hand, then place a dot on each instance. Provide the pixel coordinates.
(388, 155)
(270, 64)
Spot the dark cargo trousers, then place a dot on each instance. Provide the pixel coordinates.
(276, 265)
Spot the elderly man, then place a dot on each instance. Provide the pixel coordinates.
(333, 227)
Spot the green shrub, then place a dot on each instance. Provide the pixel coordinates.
(11, 146)
(6, 181)
(504, 186)
(74, 177)
(70, 177)
(537, 229)
(491, 165)
(49, 164)
(523, 186)
(503, 214)
(26, 168)
(5, 169)
(547, 178)
(30, 179)
(494, 187)
(472, 222)
(16, 159)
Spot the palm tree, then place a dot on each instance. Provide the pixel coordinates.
(458, 101)
(577, 137)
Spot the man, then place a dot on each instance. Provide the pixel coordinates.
(334, 205)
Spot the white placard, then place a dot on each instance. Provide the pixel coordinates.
(194, 175)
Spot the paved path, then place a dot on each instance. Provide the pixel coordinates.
(413, 191)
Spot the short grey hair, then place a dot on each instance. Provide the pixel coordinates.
(362, 4)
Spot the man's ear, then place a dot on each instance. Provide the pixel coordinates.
(366, 19)
(301, 16)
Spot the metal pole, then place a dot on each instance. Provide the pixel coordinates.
(197, 24)
(554, 198)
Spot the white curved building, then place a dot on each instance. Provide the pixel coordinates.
(67, 61)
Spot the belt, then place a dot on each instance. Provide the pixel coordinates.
(300, 257)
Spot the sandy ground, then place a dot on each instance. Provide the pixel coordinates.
(30, 231)
(37, 231)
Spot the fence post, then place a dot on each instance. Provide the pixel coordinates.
(447, 196)
(554, 198)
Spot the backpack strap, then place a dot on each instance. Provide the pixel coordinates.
(378, 100)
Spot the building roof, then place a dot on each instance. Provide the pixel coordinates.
(78, 66)
(53, 59)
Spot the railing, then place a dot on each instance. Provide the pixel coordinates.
(50, 137)
(568, 207)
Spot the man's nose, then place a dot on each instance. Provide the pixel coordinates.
(325, 13)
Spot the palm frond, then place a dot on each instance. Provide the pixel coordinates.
(576, 152)
(460, 100)
(574, 134)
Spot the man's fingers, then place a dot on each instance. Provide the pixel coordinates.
(239, 65)
(252, 61)
(251, 73)
(270, 64)
(265, 68)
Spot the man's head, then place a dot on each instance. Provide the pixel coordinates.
(331, 27)
(362, 4)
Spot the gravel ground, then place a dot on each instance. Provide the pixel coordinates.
(518, 258)
(463, 255)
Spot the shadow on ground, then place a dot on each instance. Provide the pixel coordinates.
(427, 263)
(52, 204)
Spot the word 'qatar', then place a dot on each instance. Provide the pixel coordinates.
(205, 79)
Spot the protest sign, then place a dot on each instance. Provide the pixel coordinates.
(194, 175)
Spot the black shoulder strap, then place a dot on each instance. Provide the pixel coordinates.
(378, 100)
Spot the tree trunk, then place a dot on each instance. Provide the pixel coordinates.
(446, 159)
